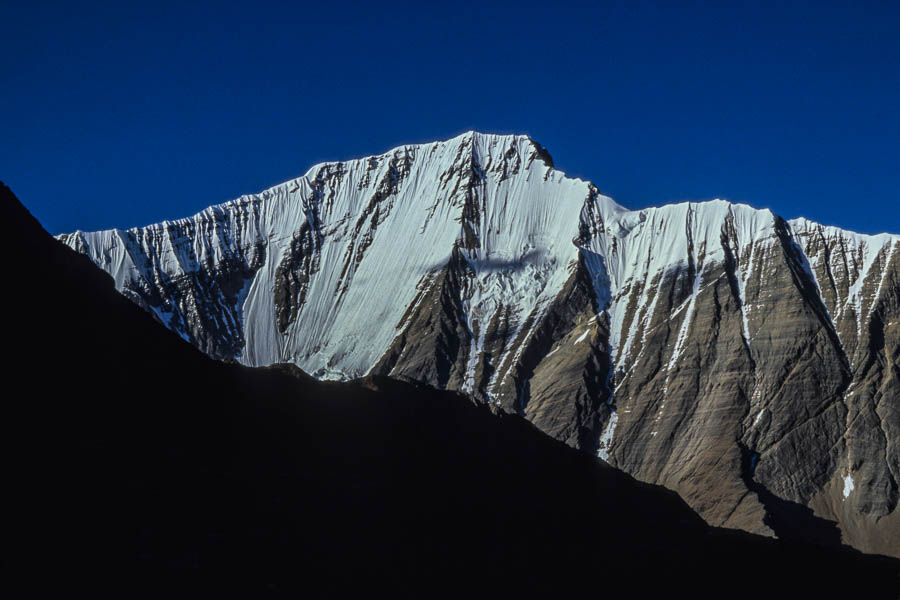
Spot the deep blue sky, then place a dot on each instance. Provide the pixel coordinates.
(115, 115)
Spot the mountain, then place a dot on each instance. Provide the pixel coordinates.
(750, 363)
(136, 463)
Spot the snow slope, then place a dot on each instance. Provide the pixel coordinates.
(381, 226)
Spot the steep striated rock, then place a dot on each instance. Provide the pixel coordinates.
(859, 279)
(747, 362)
(193, 274)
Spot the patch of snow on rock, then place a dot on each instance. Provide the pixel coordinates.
(848, 486)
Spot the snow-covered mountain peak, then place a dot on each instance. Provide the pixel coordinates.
(679, 342)
(486, 148)
(655, 337)
(305, 259)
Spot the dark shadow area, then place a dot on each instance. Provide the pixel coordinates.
(789, 520)
(795, 522)
(492, 265)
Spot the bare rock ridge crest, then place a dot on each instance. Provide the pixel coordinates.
(750, 363)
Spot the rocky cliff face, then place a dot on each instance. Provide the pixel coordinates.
(747, 362)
